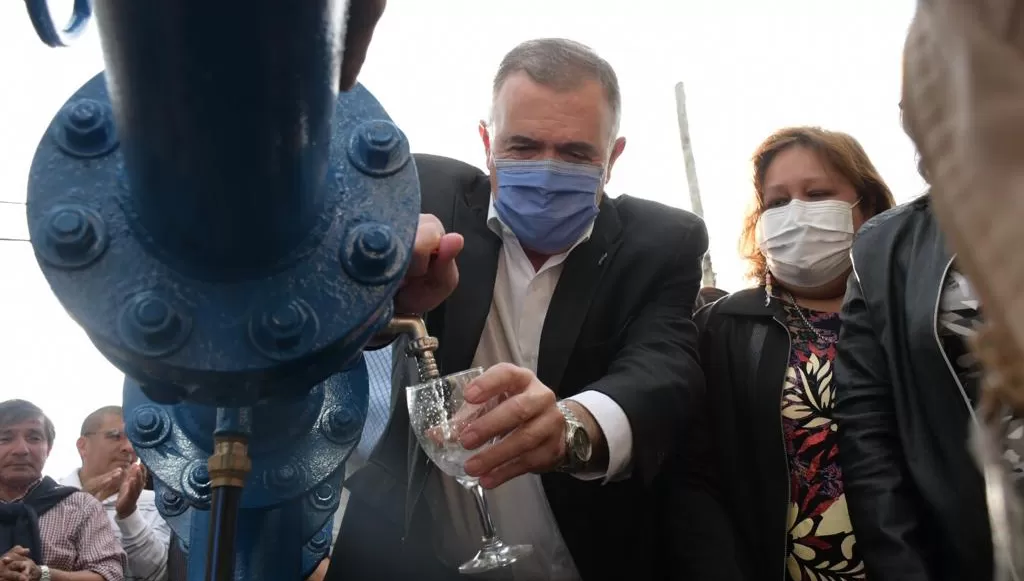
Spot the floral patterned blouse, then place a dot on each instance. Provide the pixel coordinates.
(821, 545)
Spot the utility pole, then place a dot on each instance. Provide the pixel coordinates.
(708, 277)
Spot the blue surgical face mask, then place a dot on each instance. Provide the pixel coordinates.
(547, 204)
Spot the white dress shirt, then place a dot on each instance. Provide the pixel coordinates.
(520, 507)
(144, 534)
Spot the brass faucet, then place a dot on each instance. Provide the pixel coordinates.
(421, 346)
(230, 464)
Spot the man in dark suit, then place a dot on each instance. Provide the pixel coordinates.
(579, 305)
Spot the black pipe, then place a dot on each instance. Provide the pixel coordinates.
(220, 556)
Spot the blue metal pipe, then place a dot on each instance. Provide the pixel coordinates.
(207, 277)
(221, 106)
(230, 232)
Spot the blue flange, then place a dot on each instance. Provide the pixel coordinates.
(236, 339)
(298, 452)
(230, 233)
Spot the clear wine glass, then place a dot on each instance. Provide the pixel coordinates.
(438, 414)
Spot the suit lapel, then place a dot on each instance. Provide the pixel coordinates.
(576, 287)
(467, 308)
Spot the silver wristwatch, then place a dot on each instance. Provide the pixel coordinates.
(44, 573)
(578, 447)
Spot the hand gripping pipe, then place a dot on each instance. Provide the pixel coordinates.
(230, 233)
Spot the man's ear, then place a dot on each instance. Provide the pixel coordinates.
(617, 148)
(81, 444)
(485, 138)
(492, 172)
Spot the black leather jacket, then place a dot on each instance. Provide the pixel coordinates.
(744, 349)
(915, 495)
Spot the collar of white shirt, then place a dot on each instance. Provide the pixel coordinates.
(130, 526)
(75, 479)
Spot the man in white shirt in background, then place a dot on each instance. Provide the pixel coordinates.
(111, 473)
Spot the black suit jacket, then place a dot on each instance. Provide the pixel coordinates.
(619, 323)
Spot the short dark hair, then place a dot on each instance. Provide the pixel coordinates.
(14, 411)
(561, 64)
(92, 421)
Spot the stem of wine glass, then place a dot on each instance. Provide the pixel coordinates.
(485, 514)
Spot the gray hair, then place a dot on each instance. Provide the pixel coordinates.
(561, 64)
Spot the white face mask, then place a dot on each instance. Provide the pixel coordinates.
(807, 244)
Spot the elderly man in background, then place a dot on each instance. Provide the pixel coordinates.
(47, 531)
(112, 475)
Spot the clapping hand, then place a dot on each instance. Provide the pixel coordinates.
(105, 485)
(130, 489)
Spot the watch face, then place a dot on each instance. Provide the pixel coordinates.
(581, 444)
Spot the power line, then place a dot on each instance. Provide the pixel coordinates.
(10, 203)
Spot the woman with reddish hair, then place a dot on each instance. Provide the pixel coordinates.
(767, 354)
